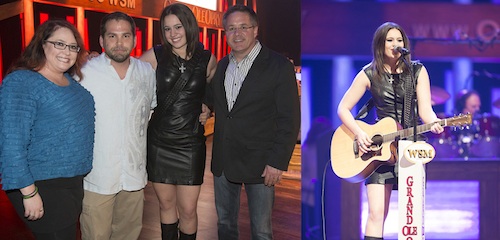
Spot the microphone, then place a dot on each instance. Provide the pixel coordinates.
(402, 50)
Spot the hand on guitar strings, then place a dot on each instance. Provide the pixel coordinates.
(364, 141)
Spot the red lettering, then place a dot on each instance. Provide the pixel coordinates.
(409, 230)
(409, 219)
(408, 192)
(409, 203)
(409, 181)
(405, 231)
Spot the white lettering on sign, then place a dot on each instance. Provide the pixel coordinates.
(120, 3)
(486, 30)
(208, 17)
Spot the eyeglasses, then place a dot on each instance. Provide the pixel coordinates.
(62, 46)
(242, 28)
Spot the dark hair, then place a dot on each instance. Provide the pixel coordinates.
(462, 97)
(33, 57)
(117, 16)
(378, 48)
(189, 23)
(240, 8)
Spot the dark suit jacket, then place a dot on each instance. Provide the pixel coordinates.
(262, 127)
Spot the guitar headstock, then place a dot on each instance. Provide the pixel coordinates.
(459, 121)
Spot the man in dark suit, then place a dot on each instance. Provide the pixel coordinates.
(257, 120)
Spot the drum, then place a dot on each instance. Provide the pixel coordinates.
(445, 144)
(487, 141)
(489, 125)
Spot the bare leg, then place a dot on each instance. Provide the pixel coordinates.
(378, 206)
(166, 194)
(187, 202)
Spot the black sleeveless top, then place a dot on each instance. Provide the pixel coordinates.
(389, 93)
(176, 140)
(180, 121)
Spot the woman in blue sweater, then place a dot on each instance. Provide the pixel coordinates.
(47, 132)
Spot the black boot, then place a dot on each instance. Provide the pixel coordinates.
(373, 238)
(183, 236)
(169, 231)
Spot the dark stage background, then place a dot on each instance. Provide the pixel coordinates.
(460, 46)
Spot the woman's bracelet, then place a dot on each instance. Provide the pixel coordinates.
(28, 196)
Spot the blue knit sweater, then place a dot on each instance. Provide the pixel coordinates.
(46, 131)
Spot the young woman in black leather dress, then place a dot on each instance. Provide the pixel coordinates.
(176, 141)
(384, 77)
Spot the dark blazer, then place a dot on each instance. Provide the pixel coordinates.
(262, 127)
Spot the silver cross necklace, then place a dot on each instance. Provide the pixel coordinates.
(180, 62)
(182, 68)
(391, 78)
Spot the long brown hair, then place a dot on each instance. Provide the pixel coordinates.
(33, 57)
(378, 48)
(189, 23)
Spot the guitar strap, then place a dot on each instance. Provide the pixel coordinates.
(363, 112)
(183, 79)
(408, 101)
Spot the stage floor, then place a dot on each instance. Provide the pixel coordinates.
(286, 214)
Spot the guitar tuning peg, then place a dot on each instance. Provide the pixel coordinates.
(467, 127)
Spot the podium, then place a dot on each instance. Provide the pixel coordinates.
(411, 188)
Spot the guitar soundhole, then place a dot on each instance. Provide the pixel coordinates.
(377, 140)
(375, 148)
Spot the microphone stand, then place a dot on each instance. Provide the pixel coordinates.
(413, 97)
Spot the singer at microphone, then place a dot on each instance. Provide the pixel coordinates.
(402, 50)
(391, 79)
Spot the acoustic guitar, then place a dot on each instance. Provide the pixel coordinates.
(349, 163)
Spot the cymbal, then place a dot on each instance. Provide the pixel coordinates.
(438, 95)
(496, 103)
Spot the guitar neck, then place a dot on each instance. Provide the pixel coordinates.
(405, 133)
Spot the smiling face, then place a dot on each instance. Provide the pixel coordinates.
(118, 40)
(175, 33)
(57, 60)
(244, 35)
(393, 40)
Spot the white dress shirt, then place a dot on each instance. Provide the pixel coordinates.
(123, 108)
(236, 73)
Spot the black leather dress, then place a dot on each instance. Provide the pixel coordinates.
(388, 95)
(176, 141)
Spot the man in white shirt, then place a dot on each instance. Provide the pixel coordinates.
(124, 90)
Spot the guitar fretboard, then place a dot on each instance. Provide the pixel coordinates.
(405, 133)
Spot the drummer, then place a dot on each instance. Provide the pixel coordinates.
(468, 101)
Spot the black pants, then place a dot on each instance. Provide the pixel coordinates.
(62, 203)
(68, 233)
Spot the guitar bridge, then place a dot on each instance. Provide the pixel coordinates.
(355, 148)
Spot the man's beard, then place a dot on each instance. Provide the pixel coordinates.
(118, 57)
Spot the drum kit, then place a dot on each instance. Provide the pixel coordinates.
(479, 140)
